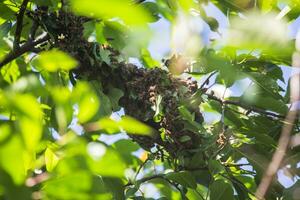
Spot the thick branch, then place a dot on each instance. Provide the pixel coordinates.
(25, 48)
(245, 106)
(19, 25)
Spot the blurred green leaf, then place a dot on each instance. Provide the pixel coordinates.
(186, 114)
(70, 186)
(267, 5)
(114, 95)
(54, 60)
(11, 159)
(147, 60)
(10, 72)
(133, 126)
(153, 9)
(253, 33)
(124, 9)
(6, 12)
(215, 167)
(51, 159)
(29, 115)
(101, 159)
(88, 103)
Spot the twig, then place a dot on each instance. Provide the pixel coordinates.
(207, 79)
(33, 30)
(160, 176)
(140, 168)
(245, 106)
(19, 25)
(236, 164)
(25, 48)
(284, 139)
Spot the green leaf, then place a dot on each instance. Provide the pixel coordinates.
(184, 178)
(186, 114)
(267, 5)
(6, 12)
(215, 167)
(104, 54)
(106, 107)
(29, 115)
(220, 190)
(51, 159)
(185, 138)
(133, 126)
(5, 28)
(153, 9)
(54, 60)
(123, 9)
(147, 60)
(10, 72)
(65, 187)
(108, 125)
(101, 159)
(88, 103)
(114, 95)
(11, 159)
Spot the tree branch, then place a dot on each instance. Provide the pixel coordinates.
(19, 25)
(245, 106)
(33, 30)
(29, 46)
(207, 79)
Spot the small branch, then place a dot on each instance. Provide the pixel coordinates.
(139, 1)
(236, 164)
(245, 106)
(140, 168)
(145, 179)
(207, 80)
(33, 30)
(29, 46)
(19, 25)
(161, 176)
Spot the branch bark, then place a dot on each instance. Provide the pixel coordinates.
(245, 106)
(29, 46)
(19, 25)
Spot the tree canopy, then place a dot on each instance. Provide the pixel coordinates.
(87, 111)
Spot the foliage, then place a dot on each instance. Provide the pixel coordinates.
(66, 76)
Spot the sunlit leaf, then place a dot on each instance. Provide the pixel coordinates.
(114, 95)
(10, 72)
(51, 159)
(267, 5)
(123, 9)
(54, 60)
(102, 159)
(147, 60)
(88, 103)
(11, 159)
(133, 126)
